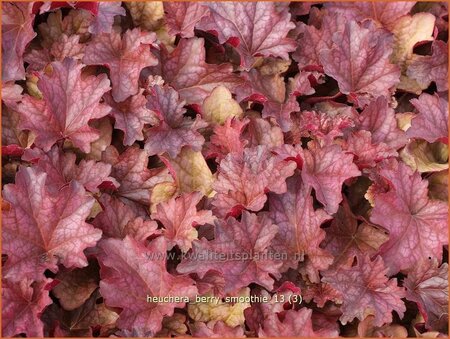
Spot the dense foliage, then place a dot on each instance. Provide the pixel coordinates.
(161, 159)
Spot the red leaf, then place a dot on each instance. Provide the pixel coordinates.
(179, 216)
(130, 277)
(125, 56)
(299, 226)
(261, 28)
(11, 94)
(12, 151)
(379, 119)
(17, 32)
(239, 252)
(295, 324)
(173, 130)
(131, 115)
(326, 124)
(86, 5)
(270, 90)
(130, 169)
(182, 17)
(428, 68)
(366, 153)
(67, 47)
(227, 139)
(245, 178)
(22, 305)
(263, 132)
(185, 70)
(385, 13)
(45, 227)
(259, 311)
(61, 168)
(70, 102)
(366, 290)
(325, 169)
(359, 60)
(431, 123)
(212, 282)
(118, 219)
(427, 285)
(417, 225)
(103, 21)
(276, 303)
(349, 236)
(215, 329)
(314, 39)
(321, 293)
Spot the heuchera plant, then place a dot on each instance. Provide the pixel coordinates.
(160, 159)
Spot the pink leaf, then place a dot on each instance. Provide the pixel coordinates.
(245, 178)
(379, 119)
(67, 47)
(70, 102)
(118, 220)
(129, 277)
(259, 27)
(299, 226)
(325, 125)
(431, 123)
(173, 130)
(427, 285)
(302, 8)
(270, 90)
(38, 59)
(131, 115)
(61, 168)
(263, 132)
(215, 329)
(349, 236)
(181, 17)
(366, 153)
(366, 290)
(428, 68)
(90, 6)
(417, 225)
(185, 70)
(321, 293)
(44, 226)
(14, 139)
(239, 252)
(227, 138)
(125, 57)
(212, 282)
(385, 13)
(22, 304)
(259, 311)
(314, 39)
(325, 169)
(17, 32)
(103, 21)
(294, 324)
(359, 60)
(179, 216)
(64, 46)
(130, 169)
(11, 94)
